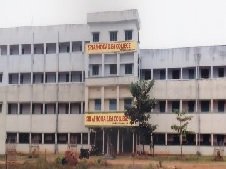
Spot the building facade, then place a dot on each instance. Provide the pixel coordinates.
(54, 80)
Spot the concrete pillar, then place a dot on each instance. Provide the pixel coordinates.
(166, 139)
(82, 111)
(103, 142)
(211, 72)
(82, 139)
(102, 98)
(42, 138)
(118, 64)
(181, 108)
(166, 106)
(196, 139)
(117, 88)
(212, 139)
(166, 73)
(211, 105)
(102, 74)
(181, 73)
(68, 138)
(152, 74)
(86, 99)
(118, 142)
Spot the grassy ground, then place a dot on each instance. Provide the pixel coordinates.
(120, 162)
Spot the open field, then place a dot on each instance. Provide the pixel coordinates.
(120, 162)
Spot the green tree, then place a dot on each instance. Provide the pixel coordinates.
(181, 128)
(139, 111)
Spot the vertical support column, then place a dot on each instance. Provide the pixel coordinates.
(212, 139)
(82, 111)
(181, 73)
(86, 99)
(103, 142)
(102, 72)
(211, 105)
(42, 138)
(118, 142)
(122, 143)
(211, 72)
(166, 73)
(166, 139)
(133, 142)
(82, 139)
(181, 106)
(118, 64)
(88, 137)
(118, 107)
(135, 67)
(196, 139)
(152, 74)
(68, 138)
(102, 98)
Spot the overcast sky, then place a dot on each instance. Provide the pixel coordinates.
(164, 23)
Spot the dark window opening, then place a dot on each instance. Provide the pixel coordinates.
(63, 77)
(13, 78)
(162, 74)
(173, 139)
(3, 50)
(159, 139)
(220, 106)
(50, 48)
(26, 49)
(112, 104)
(37, 108)
(24, 138)
(97, 104)
(127, 103)
(191, 106)
(162, 106)
(128, 68)
(36, 138)
(205, 73)
(1, 75)
(76, 76)
(76, 46)
(25, 78)
(175, 74)
(84, 138)
(38, 48)
(113, 36)
(25, 108)
(205, 139)
(128, 35)
(189, 139)
(113, 69)
(38, 78)
(205, 106)
(62, 138)
(11, 138)
(95, 69)
(50, 77)
(50, 108)
(64, 47)
(63, 108)
(146, 74)
(220, 72)
(75, 108)
(96, 36)
(75, 138)
(49, 138)
(12, 108)
(191, 73)
(14, 49)
(175, 106)
(220, 140)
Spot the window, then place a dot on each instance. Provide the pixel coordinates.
(77, 46)
(221, 106)
(191, 106)
(25, 78)
(127, 103)
(49, 138)
(38, 78)
(25, 108)
(50, 77)
(205, 106)
(128, 35)
(75, 108)
(63, 108)
(75, 138)
(3, 50)
(191, 73)
(38, 48)
(112, 104)
(0, 107)
(173, 139)
(175, 106)
(175, 74)
(205, 73)
(205, 139)
(63, 77)
(145, 74)
(76, 76)
(128, 68)
(190, 139)
(97, 104)
(64, 47)
(1, 74)
(14, 49)
(24, 138)
(62, 138)
(113, 69)
(162, 74)
(36, 138)
(26, 49)
(220, 72)
(50, 108)
(84, 138)
(37, 108)
(162, 106)
(12, 108)
(96, 36)
(95, 70)
(13, 78)
(219, 139)
(159, 139)
(11, 138)
(113, 36)
(50, 48)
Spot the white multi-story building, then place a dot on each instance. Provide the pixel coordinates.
(68, 84)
